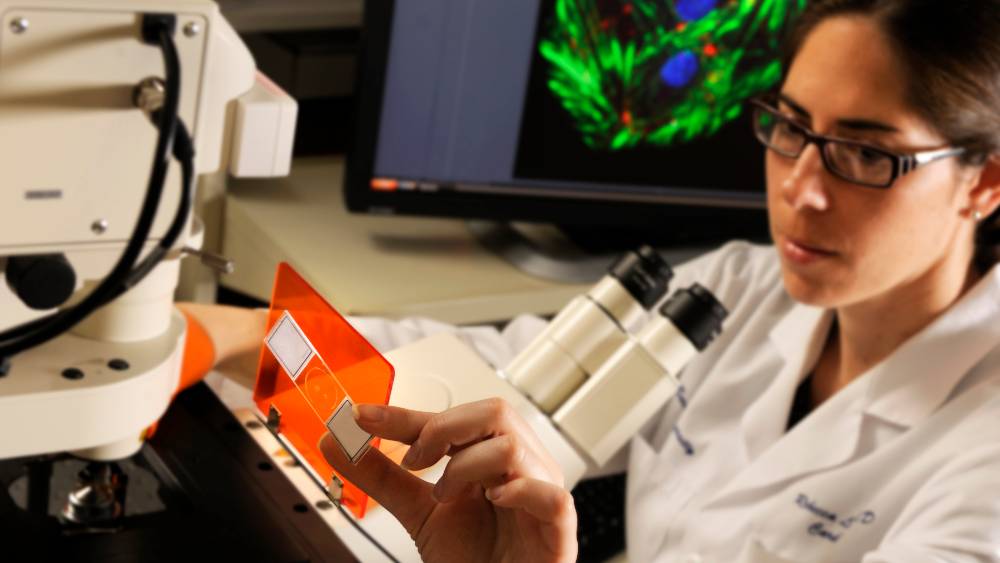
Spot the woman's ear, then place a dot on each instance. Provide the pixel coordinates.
(985, 195)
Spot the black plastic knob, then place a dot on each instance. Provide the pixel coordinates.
(644, 274)
(696, 313)
(42, 281)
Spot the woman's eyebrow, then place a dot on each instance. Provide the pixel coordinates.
(855, 124)
(866, 125)
(796, 107)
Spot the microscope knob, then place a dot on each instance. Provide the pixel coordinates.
(42, 281)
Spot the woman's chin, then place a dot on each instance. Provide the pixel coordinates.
(808, 291)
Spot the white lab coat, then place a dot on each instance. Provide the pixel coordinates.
(902, 465)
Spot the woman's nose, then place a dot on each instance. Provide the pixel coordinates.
(804, 187)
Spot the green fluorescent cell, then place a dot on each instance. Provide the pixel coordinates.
(603, 63)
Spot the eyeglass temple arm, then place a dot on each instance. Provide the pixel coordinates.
(914, 160)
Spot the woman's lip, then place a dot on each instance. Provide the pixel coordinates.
(809, 247)
(802, 254)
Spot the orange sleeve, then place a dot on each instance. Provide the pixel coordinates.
(199, 354)
(198, 358)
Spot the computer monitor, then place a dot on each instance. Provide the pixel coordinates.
(627, 113)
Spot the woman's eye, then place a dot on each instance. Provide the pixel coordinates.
(869, 156)
(784, 127)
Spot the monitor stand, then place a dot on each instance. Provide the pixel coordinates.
(578, 255)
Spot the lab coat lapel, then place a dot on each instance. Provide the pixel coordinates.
(920, 376)
(798, 338)
(772, 456)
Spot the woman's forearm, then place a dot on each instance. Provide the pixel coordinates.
(236, 332)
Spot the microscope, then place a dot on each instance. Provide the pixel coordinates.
(110, 112)
(601, 369)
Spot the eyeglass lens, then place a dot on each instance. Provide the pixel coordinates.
(850, 161)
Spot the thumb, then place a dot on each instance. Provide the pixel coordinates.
(403, 494)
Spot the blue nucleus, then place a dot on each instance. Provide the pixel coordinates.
(679, 69)
(690, 10)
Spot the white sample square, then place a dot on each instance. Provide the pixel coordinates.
(352, 439)
(289, 345)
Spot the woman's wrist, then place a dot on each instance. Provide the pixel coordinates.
(236, 332)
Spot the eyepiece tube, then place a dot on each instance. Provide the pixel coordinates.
(589, 329)
(641, 375)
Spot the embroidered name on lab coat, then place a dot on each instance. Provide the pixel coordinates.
(832, 528)
(685, 444)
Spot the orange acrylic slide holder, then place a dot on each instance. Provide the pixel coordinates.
(342, 365)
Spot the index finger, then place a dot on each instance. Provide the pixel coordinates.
(394, 423)
(461, 426)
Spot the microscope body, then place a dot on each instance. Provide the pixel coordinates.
(76, 150)
(588, 429)
(586, 384)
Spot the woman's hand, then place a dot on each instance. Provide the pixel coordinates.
(501, 497)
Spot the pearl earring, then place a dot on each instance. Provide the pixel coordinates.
(977, 216)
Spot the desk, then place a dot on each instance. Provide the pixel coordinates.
(370, 265)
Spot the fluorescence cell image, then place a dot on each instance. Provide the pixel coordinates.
(656, 73)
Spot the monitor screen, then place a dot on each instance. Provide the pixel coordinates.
(568, 111)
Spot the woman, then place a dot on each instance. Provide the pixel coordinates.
(849, 411)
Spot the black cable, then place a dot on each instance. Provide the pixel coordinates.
(184, 153)
(25, 328)
(350, 518)
(161, 27)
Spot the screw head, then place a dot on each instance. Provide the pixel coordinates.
(192, 29)
(150, 94)
(19, 25)
(72, 373)
(99, 227)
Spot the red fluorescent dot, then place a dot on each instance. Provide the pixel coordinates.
(681, 26)
(627, 117)
(605, 23)
(627, 9)
(711, 50)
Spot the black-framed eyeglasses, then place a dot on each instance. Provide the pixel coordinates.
(853, 161)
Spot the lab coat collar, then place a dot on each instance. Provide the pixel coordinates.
(799, 338)
(921, 374)
(804, 324)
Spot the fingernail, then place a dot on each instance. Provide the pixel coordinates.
(493, 493)
(411, 457)
(368, 413)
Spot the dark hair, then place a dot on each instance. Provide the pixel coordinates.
(951, 52)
